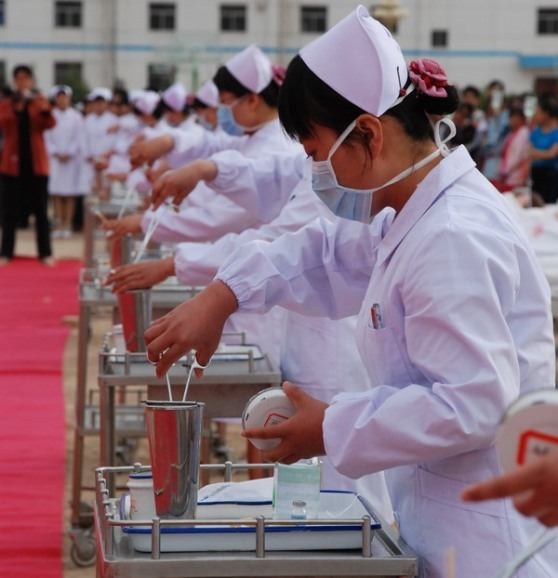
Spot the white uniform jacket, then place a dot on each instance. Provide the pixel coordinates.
(318, 354)
(65, 139)
(206, 215)
(465, 328)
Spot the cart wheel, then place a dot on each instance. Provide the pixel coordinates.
(85, 515)
(83, 552)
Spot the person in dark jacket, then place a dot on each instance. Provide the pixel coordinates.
(24, 163)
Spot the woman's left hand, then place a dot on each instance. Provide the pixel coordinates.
(301, 435)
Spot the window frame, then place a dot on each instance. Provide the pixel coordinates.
(162, 80)
(71, 18)
(164, 21)
(243, 18)
(320, 11)
(547, 26)
(68, 76)
(439, 32)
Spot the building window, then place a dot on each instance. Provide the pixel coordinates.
(439, 38)
(69, 73)
(233, 18)
(313, 19)
(2, 12)
(548, 21)
(162, 16)
(160, 76)
(67, 14)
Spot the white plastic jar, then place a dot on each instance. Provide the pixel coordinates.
(142, 500)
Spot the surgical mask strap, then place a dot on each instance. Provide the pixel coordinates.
(340, 140)
(441, 142)
(441, 149)
(232, 104)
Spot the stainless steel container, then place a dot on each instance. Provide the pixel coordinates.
(121, 251)
(135, 315)
(174, 431)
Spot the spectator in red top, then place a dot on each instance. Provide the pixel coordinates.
(24, 163)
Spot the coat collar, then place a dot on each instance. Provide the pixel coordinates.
(452, 168)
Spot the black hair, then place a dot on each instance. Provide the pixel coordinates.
(517, 111)
(306, 101)
(156, 114)
(548, 103)
(473, 90)
(122, 95)
(22, 68)
(197, 104)
(496, 84)
(468, 107)
(226, 82)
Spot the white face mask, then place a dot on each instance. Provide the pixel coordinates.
(356, 204)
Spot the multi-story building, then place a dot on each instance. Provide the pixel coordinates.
(154, 42)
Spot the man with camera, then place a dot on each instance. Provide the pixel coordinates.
(24, 117)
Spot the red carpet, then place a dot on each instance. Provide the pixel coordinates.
(33, 301)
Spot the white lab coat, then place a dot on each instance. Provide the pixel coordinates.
(316, 353)
(96, 141)
(206, 215)
(129, 128)
(466, 328)
(65, 139)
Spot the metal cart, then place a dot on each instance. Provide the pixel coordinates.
(382, 553)
(91, 231)
(225, 387)
(92, 296)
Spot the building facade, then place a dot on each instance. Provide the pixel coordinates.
(140, 43)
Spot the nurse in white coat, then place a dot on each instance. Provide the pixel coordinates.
(317, 353)
(454, 319)
(63, 144)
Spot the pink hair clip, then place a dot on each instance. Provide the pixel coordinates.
(278, 73)
(429, 77)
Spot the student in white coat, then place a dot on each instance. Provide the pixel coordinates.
(98, 141)
(63, 144)
(248, 90)
(205, 106)
(454, 319)
(176, 108)
(318, 353)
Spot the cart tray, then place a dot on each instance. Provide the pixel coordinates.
(298, 536)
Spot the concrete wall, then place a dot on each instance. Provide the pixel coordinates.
(487, 38)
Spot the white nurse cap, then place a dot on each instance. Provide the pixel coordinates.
(359, 59)
(252, 68)
(104, 93)
(175, 96)
(208, 94)
(56, 90)
(147, 101)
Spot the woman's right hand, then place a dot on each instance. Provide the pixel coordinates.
(147, 151)
(117, 228)
(195, 324)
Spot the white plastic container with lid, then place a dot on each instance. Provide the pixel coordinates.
(268, 407)
(529, 429)
(142, 500)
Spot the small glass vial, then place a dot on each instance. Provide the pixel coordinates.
(298, 510)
